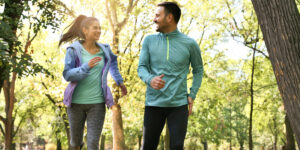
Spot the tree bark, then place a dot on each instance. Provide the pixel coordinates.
(118, 131)
(280, 24)
(9, 93)
(102, 142)
(290, 141)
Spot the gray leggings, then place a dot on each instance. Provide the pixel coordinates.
(94, 114)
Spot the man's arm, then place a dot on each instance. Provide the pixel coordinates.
(197, 66)
(144, 63)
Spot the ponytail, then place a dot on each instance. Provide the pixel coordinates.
(75, 31)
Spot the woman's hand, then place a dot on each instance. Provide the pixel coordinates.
(94, 61)
(123, 89)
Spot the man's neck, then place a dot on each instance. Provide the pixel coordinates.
(171, 29)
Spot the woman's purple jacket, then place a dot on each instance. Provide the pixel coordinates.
(75, 71)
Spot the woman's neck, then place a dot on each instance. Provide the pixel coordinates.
(90, 46)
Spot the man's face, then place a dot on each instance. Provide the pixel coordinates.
(160, 19)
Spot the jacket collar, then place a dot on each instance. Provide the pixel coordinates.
(173, 33)
(105, 49)
(77, 46)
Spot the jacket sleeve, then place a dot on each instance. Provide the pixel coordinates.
(113, 68)
(144, 63)
(71, 72)
(197, 66)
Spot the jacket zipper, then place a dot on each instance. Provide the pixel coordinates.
(168, 48)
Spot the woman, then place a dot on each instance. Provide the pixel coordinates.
(86, 66)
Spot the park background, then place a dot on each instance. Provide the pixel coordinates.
(238, 102)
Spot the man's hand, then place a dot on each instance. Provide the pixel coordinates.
(190, 101)
(157, 82)
(123, 89)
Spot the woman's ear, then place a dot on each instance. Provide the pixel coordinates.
(84, 31)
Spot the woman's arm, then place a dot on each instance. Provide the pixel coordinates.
(71, 72)
(113, 69)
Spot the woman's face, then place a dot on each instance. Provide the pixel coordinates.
(92, 32)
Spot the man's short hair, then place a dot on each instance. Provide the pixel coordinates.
(173, 8)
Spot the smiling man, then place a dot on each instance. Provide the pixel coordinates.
(163, 65)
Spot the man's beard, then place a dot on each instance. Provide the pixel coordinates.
(159, 28)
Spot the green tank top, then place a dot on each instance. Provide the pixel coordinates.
(89, 90)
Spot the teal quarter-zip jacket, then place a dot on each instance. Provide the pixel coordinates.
(170, 54)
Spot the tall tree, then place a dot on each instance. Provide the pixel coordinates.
(290, 141)
(15, 58)
(248, 31)
(113, 16)
(280, 25)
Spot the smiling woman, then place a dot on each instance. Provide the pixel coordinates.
(86, 67)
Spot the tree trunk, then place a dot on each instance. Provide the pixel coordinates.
(275, 133)
(167, 138)
(290, 141)
(8, 135)
(115, 44)
(102, 146)
(241, 145)
(66, 124)
(13, 10)
(9, 89)
(118, 131)
(116, 27)
(280, 24)
(251, 102)
(205, 145)
(58, 144)
(140, 141)
(162, 143)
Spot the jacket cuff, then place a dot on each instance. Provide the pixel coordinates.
(149, 79)
(193, 96)
(86, 67)
(120, 82)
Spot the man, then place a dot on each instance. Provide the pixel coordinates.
(163, 65)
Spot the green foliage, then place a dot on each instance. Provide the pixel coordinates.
(21, 21)
(221, 108)
(39, 15)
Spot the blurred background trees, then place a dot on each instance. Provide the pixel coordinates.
(238, 78)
